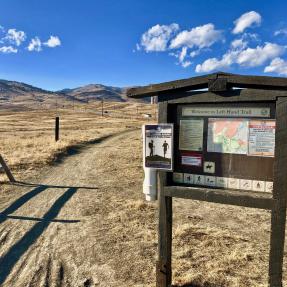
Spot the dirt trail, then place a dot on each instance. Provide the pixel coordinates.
(60, 233)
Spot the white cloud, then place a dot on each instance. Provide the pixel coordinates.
(259, 55)
(186, 64)
(182, 54)
(249, 57)
(213, 64)
(15, 37)
(158, 36)
(278, 66)
(201, 37)
(281, 32)
(246, 20)
(8, 50)
(194, 53)
(53, 41)
(35, 45)
(239, 44)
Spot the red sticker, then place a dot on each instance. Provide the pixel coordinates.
(191, 159)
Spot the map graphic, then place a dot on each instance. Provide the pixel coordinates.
(228, 136)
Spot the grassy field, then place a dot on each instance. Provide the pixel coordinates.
(213, 245)
(27, 139)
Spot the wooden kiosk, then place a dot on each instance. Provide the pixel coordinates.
(226, 150)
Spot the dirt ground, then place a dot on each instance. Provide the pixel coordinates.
(84, 222)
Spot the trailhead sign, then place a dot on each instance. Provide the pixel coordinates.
(158, 149)
(230, 135)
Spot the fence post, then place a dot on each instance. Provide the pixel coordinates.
(57, 128)
(6, 169)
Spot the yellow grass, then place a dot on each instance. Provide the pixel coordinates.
(27, 138)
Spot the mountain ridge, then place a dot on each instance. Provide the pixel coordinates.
(26, 95)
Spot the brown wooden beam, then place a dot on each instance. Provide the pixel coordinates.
(201, 82)
(232, 197)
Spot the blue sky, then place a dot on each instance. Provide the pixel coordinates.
(56, 44)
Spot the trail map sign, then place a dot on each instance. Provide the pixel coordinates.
(230, 147)
(218, 149)
(158, 148)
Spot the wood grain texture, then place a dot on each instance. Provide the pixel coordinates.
(278, 217)
(164, 272)
(231, 197)
(231, 96)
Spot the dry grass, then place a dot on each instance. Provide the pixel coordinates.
(27, 139)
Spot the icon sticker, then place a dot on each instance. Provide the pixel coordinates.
(209, 167)
(233, 183)
(269, 186)
(177, 177)
(222, 182)
(210, 180)
(245, 184)
(188, 178)
(258, 185)
(198, 179)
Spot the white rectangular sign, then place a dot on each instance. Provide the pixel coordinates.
(262, 138)
(191, 135)
(226, 112)
(158, 146)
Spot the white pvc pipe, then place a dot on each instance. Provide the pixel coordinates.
(150, 177)
(150, 184)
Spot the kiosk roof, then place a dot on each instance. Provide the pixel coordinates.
(214, 82)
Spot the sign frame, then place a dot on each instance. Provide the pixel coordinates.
(169, 146)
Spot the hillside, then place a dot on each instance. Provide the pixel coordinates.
(96, 92)
(19, 95)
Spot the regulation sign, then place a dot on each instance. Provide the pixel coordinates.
(158, 146)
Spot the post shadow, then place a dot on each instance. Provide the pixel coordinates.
(21, 201)
(22, 183)
(9, 260)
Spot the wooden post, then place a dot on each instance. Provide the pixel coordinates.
(278, 216)
(6, 169)
(102, 107)
(163, 272)
(57, 129)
